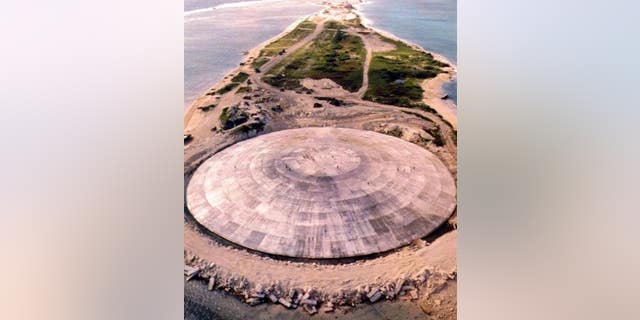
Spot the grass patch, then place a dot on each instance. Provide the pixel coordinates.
(235, 81)
(245, 89)
(240, 77)
(302, 30)
(283, 82)
(224, 115)
(274, 48)
(259, 62)
(227, 88)
(334, 55)
(232, 117)
(333, 25)
(207, 107)
(395, 76)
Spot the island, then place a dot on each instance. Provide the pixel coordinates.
(321, 173)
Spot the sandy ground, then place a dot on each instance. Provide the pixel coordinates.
(430, 267)
(325, 87)
(412, 262)
(433, 94)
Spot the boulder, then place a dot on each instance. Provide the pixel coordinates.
(373, 292)
(310, 302)
(329, 307)
(398, 286)
(285, 302)
(253, 301)
(191, 272)
(375, 297)
(257, 295)
(310, 309)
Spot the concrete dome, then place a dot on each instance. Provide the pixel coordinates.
(322, 193)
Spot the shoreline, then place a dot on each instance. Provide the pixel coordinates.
(188, 113)
(433, 87)
(432, 97)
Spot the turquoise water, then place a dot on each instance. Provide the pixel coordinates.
(428, 23)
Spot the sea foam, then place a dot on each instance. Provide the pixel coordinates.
(243, 4)
(240, 4)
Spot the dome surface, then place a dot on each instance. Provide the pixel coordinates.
(322, 193)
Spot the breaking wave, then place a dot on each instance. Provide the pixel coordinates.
(239, 4)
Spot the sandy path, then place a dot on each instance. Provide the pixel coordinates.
(447, 131)
(275, 60)
(367, 63)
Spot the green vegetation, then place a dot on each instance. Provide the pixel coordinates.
(207, 107)
(335, 25)
(245, 89)
(356, 23)
(235, 81)
(224, 115)
(227, 88)
(438, 140)
(232, 117)
(335, 55)
(259, 62)
(302, 30)
(395, 76)
(240, 77)
(284, 82)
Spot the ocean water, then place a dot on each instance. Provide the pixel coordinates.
(432, 24)
(217, 31)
